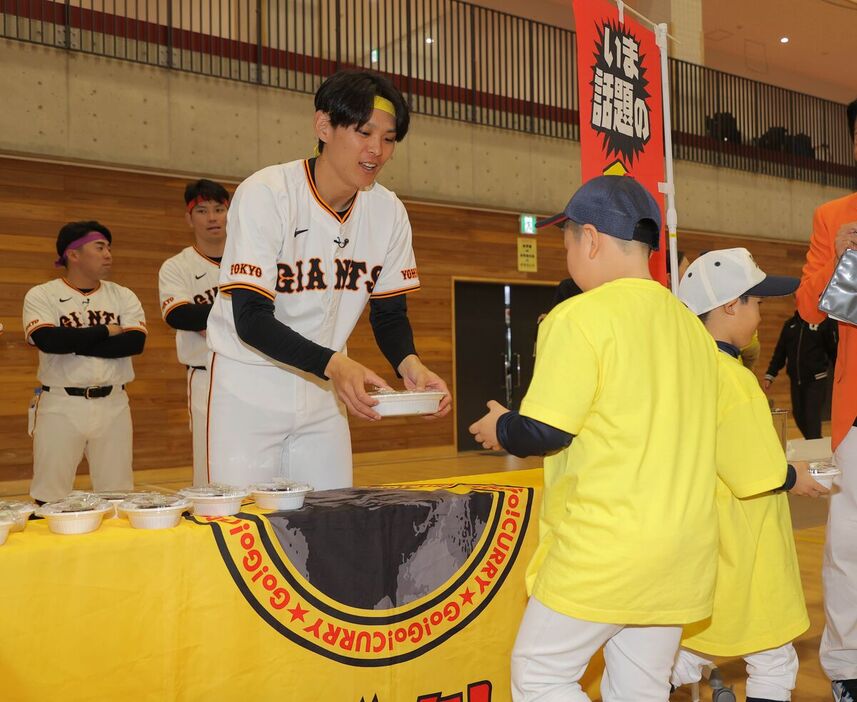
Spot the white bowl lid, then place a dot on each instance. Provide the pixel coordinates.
(281, 485)
(823, 468)
(153, 502)
(18, 505)
(382, 394)
(214, 491)
(81, 504)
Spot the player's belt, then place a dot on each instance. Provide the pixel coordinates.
(90, 393)
(197, 368)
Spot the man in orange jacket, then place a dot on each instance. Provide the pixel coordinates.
(834, 229)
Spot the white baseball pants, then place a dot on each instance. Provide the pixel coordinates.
(197, 409)
(552, 651)
(67, 428)
(839, 571)
(771, 674)
(266, 422)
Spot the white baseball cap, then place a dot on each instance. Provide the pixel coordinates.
(718, 277)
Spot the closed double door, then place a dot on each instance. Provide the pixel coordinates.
(495, 337)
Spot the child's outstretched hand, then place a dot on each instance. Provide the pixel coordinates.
(806, 485)
(485, 430)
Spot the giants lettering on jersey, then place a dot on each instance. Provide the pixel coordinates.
(92, 318)
(205, 298)
(309, 275)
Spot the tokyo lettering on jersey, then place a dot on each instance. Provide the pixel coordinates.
(188, 278)
(317, 266)
(58, 304)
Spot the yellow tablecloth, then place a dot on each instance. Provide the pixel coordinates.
(214, 610)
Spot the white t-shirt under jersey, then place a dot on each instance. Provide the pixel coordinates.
(188, 278)
(318, 267)
(58, 304)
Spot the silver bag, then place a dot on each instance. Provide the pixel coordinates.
(839, 299)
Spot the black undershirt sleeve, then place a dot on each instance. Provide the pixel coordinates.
(523, 436)
(89, 341)
(129, 343)
(392, 329)
(61, 340)
(189, 317)
(257, 327)
(791, 479)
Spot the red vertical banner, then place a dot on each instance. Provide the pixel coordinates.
(621, 105)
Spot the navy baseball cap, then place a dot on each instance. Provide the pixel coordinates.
(615, 205)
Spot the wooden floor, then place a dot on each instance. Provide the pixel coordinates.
(395, 466)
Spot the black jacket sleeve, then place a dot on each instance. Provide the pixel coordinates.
(522, 436)
(392, 329)
(778, 360)
(257, 327)
(830, 337)
(190, 317)
(61, 340)
(129, 343)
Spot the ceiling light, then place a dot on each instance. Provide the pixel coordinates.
(429, 40)
(784, 40)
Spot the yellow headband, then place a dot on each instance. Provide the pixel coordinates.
(384, 105)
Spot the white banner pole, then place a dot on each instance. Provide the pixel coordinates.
(668, 188)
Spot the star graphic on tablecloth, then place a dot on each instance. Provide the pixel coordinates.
(466, 596)
(297, 612)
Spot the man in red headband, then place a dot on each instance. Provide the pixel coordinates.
(86, 330)
(188, 284)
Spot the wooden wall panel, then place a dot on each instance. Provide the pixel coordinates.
(145, 213)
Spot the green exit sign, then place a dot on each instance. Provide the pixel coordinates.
(528, 224)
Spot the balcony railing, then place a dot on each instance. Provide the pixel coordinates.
(452, 59)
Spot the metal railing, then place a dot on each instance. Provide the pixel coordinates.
(452, 59)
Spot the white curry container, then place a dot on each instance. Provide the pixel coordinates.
(823, 472)
(22, 512)
(76, 514)
(407, 402)
(154, 510)
(8, 519)
(215, 500)
(280, 494)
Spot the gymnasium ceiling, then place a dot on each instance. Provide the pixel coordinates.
(743, 36)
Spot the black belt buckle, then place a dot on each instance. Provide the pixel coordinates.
(87, 393)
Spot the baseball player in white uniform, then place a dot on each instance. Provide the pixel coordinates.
(86, 329)
(310, 242)
(187, 284)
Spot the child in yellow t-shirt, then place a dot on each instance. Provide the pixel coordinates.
(627, 547)
(758, 600)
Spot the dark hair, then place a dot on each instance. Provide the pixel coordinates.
(852, 116)
(206, 189)
(71, 232)
(679, 256)
(348, 99)
(704, 316)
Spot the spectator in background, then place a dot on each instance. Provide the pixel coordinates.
(683, 264)
(806, 350)
(834, 229)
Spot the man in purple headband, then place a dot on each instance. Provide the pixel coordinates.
(86, 330)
